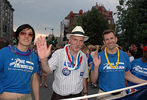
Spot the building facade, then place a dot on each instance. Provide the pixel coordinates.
(69, 20)
(106, 13)
(6, 20)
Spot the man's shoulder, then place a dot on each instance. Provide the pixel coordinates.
(82, 53)
(123, 53)
(101, 53)
(59, 51)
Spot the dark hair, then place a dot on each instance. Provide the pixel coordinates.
(132, 53)
(107, 32)
(20, 28)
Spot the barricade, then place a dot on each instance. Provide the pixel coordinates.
(105, 93)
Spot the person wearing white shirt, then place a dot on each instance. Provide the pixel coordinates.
(69, 65)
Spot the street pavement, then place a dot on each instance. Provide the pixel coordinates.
(45, 93)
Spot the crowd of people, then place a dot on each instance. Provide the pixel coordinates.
(108, 67)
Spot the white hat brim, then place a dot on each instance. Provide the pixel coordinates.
(85, 37)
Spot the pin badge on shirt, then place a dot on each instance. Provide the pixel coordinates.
(66, 71)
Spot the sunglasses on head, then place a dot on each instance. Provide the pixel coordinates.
(29, 34)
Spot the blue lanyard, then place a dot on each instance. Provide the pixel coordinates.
(73, 61)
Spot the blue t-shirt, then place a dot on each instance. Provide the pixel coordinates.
(16, 70)
(90, 59)
(1, 83)
(138, 69)
(112, 78)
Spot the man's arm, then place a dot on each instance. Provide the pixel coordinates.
(35, 86)
(97, 61)
(130, 77)
(94, 75)
(85, 85)
(45, 66)
(43, 53)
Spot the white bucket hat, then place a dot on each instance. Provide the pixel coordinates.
(78, 31)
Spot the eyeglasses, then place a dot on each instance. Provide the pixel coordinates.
(24, 34)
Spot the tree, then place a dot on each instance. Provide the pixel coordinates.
(93, 23)
(51, 40)
(132, 21)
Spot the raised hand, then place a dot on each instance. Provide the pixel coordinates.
(43, 51)
(96, 59)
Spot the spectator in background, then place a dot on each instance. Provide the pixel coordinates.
(130, 54)
(43, 76)
(89, 59)
(3, 43)
(92, 49)
(137, 52)
(98, 48)
(142, 46)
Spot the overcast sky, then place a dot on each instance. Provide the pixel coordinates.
(49, 13)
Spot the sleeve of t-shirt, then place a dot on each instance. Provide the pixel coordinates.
(128, 65)
(36, 63)
(2, 59)
(54, 60)
(90, 59)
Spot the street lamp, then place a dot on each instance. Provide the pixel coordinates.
(49, 29)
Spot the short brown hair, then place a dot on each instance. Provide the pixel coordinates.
(107, 32)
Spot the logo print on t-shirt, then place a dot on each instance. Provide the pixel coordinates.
(107, 68)
(23, 65)
(81, 73)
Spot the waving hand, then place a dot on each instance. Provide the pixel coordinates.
(43, 50)
(96, 59)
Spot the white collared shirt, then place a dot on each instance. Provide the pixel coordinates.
(67, 82)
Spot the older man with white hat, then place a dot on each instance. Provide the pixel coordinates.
(69, 65)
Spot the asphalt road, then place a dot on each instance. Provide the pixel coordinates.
(45, 93)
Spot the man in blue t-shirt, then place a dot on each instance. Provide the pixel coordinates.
(18, 67)
(111, 67)
(139, 69)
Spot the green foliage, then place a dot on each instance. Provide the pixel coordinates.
(93, 23)
(132, 21)
(52, 41)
